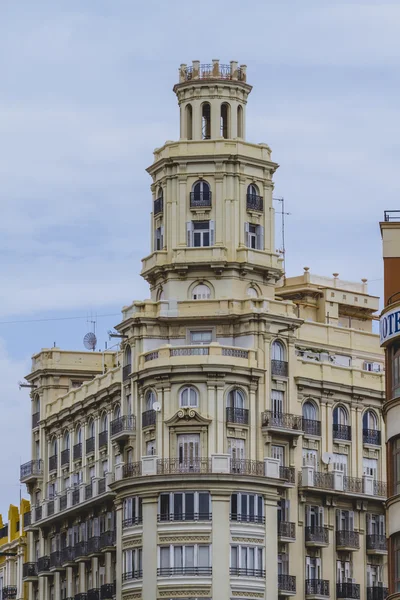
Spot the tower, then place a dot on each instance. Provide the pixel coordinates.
(212, 218)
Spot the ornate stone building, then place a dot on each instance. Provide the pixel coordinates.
(232, 449)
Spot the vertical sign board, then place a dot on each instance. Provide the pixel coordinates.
(389, 325)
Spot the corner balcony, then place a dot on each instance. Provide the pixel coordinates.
(316, 537)
(29, 572)
(200, 199)
(238, 416)
(282, 423)
(31, 471)
(336, 481)
(348, 591)
(286, 531)
(243, 572)
(286, 585)
(376, 544)
(348, 541)
(254, 202)
(122, 428)
(186, 571)
(377, 592)
(316, 589)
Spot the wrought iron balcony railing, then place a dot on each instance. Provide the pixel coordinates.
(287, 583)
(77, 451)
(317, 587)
(63, 501)
(93, 594)
(27, 518)
(35, 420)
(279, 367)
(90, 444)
(200, 199)
(271, 418)
(65, 457)
(75, 497)
(247, 518)
(125, 423)
(132, 575)
(237, 415)
(189, 571)
(33, 468)
(254, 202)
(38, 512)
(288, 474)
(50, 508)
(126, 371)
(312, 427)
(107, 591)
(29, 570)
(243, 572)
(103, 439)
(43, 564)
(55, 559)
(67, 554)
(94, 545)
(380, 488)
(376, 542)
(81, 549)
(372, 436)
(287, 530)
(81, 596)
(377, 592)
(353, 484)
(9, 592)
(350, 591)
(53, 463)
(149, 418)
(170, 466)
(101, 485)
(158, 206)
(348, 539)
(132, 469)
(183, 516)
(317, 535)
(88, 491)
(243, 466)
(107, 538)
(341, 432)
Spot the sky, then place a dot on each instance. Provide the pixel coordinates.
(86, 96)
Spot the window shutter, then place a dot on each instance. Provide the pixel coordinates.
(286, 509)
(162, 237)
(381, 521)
(212, 235)
(318, 567)
(368, 523)
(308, 515)
(260, 237)
(351, 520)
(189, 231)
(338, 515)
(246, 235)
(321, 516)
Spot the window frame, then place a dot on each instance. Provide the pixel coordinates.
(189, 389)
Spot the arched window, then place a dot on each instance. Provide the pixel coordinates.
(201, 292)
(104, 423)
(235, 399)
(189, 121)
(309, 411)
(91, 429)
(206, 121)
(127, 356)
(160, 294)
(78, 435)
(252, 292)
(117, 412)
(66, 441)
(54, 446)
(150, 399)
(189, 397)
(224, 124)
(201, 194)
(36, 404)
(240, 122)
(278, 351)
(339, 415)
(160, 193)
(252, 190)
(370, 420)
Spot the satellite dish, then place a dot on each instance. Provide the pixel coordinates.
(327, 458)
(157, 406)
(90, 341)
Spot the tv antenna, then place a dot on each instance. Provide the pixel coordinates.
(283, 214)
(90, 339)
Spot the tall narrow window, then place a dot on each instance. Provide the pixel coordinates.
(224, 125)
(159, 238)
(206, 121)
(189, 122)
(240, 122)
(254, 236)
(200, 234)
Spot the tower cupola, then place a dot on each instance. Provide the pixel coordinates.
(212, 100)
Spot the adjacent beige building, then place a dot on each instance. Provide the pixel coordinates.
(232, 449)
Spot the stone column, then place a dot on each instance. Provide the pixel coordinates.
(118, 534)
(271, 549)
(149, 548)
(240, 213)
(253, 420)
(108, 567)
(166, 409)
(95, 573)
(220, 545)
(212, 410)
(219, 205)
(57, 586)
(82, 577)
(85, 435)
(220, 421)
(70, 582)
(179, 213)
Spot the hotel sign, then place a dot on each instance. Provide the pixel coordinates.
(390, 325)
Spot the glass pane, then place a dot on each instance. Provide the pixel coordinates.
(260, 511)
(243, 558)
(204, 556)
(204, 505)
(178, 506)
(234, 557)
(164, 506)
(189, 506)
(189, 556)
(234, 506)
(178, 556)
(251, 506)
(206, 238)
(164, 557)
(244, 505)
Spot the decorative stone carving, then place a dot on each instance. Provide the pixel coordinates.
(199, 539)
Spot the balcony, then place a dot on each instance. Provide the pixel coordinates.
(53, 462)
(38, 512)
(93, 594)
(132, 469)
(200, 199)
(149, 418)
(254, 202)
(75, 497)
(158, 206)
(55, 560)
(237, 518)
(353, 485)
(317, 588)
(286, 531)
(282, 422)
(311, 427)
(81, 596)
(376, 544)
(336, 481)
(63, 502)
(347, 540)
(29, 571)
(10, 591)
(237, 415)
(372, 437)
(103, 439)
(101, 486)
(65, 457)
(286, 585)
(236, 572)
(81, 550)
(342, 432)
(30, 471)
(90, 444)
(68, 555)
(88, 491)
(123, 427)
(35, 420)
(128, 575)
(188, 571)
(171, 466)
(107, 591)
(107, 540)
(349, 591)
(77, 451)
(177, 516)
(27, 519)
(43, 565)
(126, 371)
(316, 536)
(377, 592)
(94, 545)
(50, 508)
(288, 474)
(279, 368)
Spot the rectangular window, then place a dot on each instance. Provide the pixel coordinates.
(370, 467)
(132, 511)
(345, 520)
(189, 451)
(247, 560)
(236, 449)
(279, 453)
(254, 236)
(184, 506)
(132, 561)
(201, 337)
(159, 238)
(200, 233)
(340, 462)
(277, 402)
(247, 508)
(184, 559)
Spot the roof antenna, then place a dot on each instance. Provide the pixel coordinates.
(282, 212)
(90, 339)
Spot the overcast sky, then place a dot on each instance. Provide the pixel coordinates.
(86, 95)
